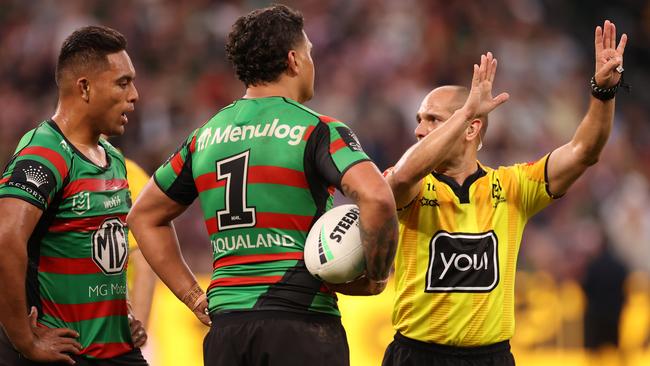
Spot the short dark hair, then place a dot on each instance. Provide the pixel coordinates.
(259, 43)
(89, 45)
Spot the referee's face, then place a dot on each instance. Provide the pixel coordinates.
(436, 108)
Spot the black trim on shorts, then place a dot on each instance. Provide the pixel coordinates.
(238, 316)
(445, 350)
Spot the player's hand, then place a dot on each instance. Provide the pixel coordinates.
(138, 334)
(360, 286)
(201, 310)
(51, 344)
(608, 55)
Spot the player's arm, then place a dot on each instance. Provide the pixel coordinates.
(568, 162)
(144, 283)
(428, 153)
(150, 220)
(364, 184)
(19, 218)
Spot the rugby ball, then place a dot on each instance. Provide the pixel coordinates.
(333, 251)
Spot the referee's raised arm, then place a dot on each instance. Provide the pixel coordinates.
(568, 162)
(434, 148)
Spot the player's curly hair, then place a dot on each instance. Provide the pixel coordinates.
(259, 43)
(88, 46)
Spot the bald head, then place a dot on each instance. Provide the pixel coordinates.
(443, 101)
(449, 97)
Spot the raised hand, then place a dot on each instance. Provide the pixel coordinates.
(480, 101)
(51, 345)
(609, 57)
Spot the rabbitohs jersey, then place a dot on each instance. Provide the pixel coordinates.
(264, 171)
(78, 250)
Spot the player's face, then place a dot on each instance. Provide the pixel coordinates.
(303, 55)
(113, 94)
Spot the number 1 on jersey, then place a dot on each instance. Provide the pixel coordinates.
(237, 214)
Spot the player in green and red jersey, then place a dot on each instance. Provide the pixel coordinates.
(63, 202)
(264, 170)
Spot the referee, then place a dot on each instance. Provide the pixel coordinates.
(461, 222)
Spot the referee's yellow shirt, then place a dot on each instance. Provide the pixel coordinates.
(457, 253)
(137, 179)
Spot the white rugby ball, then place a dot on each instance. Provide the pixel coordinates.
(333, 251)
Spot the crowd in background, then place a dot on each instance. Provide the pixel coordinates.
(375, 60)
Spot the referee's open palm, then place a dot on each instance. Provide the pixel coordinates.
(609, 57)
(480, 101)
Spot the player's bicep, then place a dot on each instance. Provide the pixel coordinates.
(19, 218)
(563, 169)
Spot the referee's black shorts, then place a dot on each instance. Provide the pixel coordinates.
(405, 351)
(275, 338)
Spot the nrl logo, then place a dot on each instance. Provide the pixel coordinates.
(81, 203)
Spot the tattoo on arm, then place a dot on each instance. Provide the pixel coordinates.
(350, 193)
(191, 297)
(380, 244)
(380, 248)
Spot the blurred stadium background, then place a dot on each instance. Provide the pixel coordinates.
(583, 288)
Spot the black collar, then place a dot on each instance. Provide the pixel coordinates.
(462, 192)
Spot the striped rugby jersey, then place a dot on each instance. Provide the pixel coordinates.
(457, 254)
(78, 250)
(264, 171)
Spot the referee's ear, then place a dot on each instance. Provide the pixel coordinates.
(473, 131)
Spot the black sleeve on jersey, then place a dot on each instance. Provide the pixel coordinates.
(317, 152)
(35, 179)
(183, 189)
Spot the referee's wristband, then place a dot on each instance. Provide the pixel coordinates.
(602, 93)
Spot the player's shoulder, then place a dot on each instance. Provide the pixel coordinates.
(316, 117)
(46, 140)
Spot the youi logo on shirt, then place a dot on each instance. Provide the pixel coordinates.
(460, 262)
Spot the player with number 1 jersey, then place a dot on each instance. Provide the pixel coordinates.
(256, 167)
(78, 251)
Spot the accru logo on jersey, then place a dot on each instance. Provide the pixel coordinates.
(460, 262)
(110, 248)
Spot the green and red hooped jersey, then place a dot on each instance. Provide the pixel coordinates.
(264, 171)
(76, 274)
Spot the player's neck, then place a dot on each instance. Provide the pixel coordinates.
(76, 129)
(277, 89)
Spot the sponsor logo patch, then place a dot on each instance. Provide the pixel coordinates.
(34, 178)
(81, 203)
(460, 262)
(109, 246)
(428, 202)
(349, 138)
